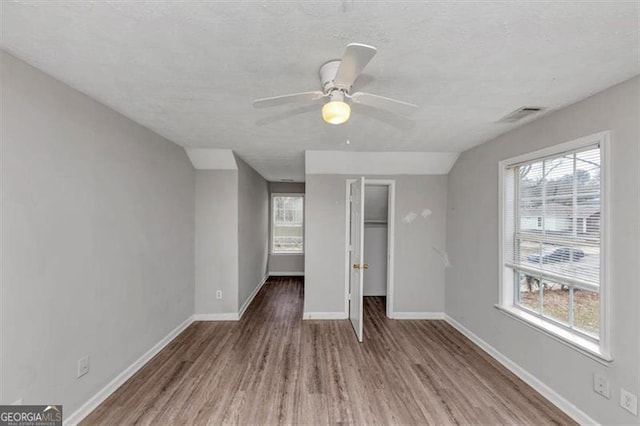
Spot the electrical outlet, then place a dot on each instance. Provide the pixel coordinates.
(83, 366)
(601, 385)
(219, 294)
(629, 401)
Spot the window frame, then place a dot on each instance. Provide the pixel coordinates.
(272, 217)
(600, 348)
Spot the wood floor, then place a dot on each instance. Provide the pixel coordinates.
(273, 368)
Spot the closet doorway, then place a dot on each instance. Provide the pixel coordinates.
(370, 287)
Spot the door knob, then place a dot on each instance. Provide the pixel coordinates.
(359, 266)
(356, 266)
(365, 266)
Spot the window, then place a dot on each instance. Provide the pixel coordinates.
(287, 223)
(552, 267)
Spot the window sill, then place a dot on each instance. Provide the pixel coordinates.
(578, 343)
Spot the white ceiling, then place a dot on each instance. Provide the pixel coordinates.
(189, 70)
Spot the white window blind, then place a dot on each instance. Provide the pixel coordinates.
(287, 227)
(555, 213)
(552, 237)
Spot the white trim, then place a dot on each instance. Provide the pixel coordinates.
(606, 278)
(554, 397)
(252, 295)
(391, 232)
(566, 337)
(229, 316)
(418, 315)
(93, 402)
(602, 139)
(324, 316)
(347, 237)
(286, 274)
(501, 293)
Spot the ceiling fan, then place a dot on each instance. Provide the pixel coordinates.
(337, 77)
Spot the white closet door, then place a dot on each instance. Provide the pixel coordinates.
(357, 261)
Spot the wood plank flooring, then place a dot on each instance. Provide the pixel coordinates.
(273, 368)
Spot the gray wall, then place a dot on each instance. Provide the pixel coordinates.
(376, 208)
(97, 243)
(253, 230)
(375, 254)
(472, 241)
(216, 241)
(419, 271)
(376, 202)
(285, 262)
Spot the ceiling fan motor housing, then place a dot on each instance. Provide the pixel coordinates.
(328, 72)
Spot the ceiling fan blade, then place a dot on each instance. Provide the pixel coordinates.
(382, 102)
(288, 114)
(355, 58)
(287, 99)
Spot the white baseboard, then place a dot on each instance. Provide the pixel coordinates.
(324, 316)
(286, 274)
(252, 295)
(555, 398)
(418, 315)
(230, 316)
(82, 412)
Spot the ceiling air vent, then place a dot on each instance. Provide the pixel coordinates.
(520, 113)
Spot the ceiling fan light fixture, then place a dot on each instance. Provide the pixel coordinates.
(336, 80)
(336, 111)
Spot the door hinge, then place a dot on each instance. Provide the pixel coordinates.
(349, 296)
(350, 248)
(350, 198)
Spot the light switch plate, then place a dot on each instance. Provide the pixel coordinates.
(83, 366)
(629, 401)
(601, 385)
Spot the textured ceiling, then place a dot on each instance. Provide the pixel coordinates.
(189, 70)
